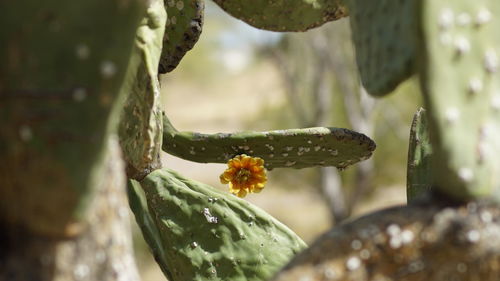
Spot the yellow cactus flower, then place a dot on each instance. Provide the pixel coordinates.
(245, 174)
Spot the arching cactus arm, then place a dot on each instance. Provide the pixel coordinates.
(182, 30)
(293, 148)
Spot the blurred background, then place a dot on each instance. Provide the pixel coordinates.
(240, 78)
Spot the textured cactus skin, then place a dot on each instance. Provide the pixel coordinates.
(59, 103)
(385, 37)
(429, 241)
(183, 28)
(461, 89)
(419, 172)
(284, 15)
(141, 126)
(200, 233)
(293, 148)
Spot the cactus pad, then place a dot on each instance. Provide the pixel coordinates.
(412, 243)
(183, 28)
(199, 233)
(293, 148)
(63, 66)
(385, 36)
(141, 127)
(284, 15)
(419, 170)
(461, 85)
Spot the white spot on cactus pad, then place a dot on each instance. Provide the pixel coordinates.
(486, 217)
(365, 254)
(462, 45)
(108, 69)
(79, 94)
(209, 217)
(173, 20)
(179, 5)
(483, 16)
(473, 236)
(356, 244)
(81, 271)
(446, 18)
(407, 236)
(393, 229)
(452, 115)
(353, 263)
(495, 101)
(475, 85)
(290, 163)
(330, 273)
(25, 133)
(465, 174)
(82, 51)
(491, 61)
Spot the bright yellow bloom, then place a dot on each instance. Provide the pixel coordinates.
(245, 174)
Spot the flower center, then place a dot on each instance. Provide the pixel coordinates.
(243, 175)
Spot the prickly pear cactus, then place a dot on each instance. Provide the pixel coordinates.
(59, 84)
(293, 148)
(141, 126)
(411, 243)
(419, 170)
(461, 88)
(199, 233)
(284, 15)
(183, 28)
(385, 36)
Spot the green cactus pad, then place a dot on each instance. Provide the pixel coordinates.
(293, 148)
(199, 233)
(63, 63)
(284, 15)
(385, 36)
(141, 126)
(183, 28)
(461, 85)
(419, 172)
